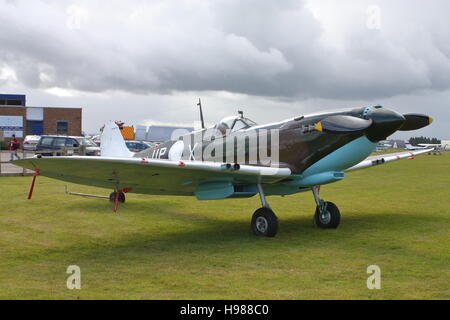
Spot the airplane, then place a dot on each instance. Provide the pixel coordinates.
(432, 147)
(409, 146)
(290, 156)
(438, 147)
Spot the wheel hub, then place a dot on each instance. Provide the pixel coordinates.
(261, 224)
(325, 217)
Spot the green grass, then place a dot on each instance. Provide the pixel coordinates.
(396, 216)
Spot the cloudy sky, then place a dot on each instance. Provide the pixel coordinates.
(147, 62)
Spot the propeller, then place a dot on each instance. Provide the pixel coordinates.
(342, 123)
(415, 121)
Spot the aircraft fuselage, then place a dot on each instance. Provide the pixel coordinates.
(300, 142)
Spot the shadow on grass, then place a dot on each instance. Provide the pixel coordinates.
(213, 235)
(179, 229)
(151, 210)
(214, 220)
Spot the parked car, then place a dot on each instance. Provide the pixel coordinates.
(97, 139)
(136, 146)
(30, 142)
(50, 143)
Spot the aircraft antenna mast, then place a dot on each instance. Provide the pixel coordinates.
(201, 113)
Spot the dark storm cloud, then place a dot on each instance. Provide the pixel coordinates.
(267, 48)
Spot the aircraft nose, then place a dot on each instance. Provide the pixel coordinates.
(385, 123)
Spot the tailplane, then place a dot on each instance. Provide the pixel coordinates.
(112, 142)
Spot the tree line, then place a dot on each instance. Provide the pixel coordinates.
(416, 140)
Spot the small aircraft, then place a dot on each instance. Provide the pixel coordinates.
(431, 147)
(437, 149)
(409, 146)
(227, 161)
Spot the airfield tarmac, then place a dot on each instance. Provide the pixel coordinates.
(10, 169)
(395, 216)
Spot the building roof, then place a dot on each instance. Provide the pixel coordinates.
(397, 143)
(52, 107)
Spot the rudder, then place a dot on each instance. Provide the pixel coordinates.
(112, 142)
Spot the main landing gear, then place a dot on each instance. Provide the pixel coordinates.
(264, 221)
(120, 196)
(327, 214)
(116, 197)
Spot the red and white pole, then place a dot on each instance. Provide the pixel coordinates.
(30, 193)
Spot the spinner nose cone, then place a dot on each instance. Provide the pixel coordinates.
(385, 123)
(415, 121)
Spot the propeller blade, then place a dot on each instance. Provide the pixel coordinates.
(415, 121)
(341, 123)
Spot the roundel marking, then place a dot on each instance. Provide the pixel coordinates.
(176, 151)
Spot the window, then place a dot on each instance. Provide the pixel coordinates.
(46, 141)
(249, 122)
(14, 102)
(234, 123)
(141, 146)
(87, 142)
(71, 143)
(60, 142)
(62, 127)
(239, 124)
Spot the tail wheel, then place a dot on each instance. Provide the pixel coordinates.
(329, 218)
(264, 223)
(121, 199)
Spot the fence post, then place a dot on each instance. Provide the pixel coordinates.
(82, 151)
(24, 171)
(23, 157)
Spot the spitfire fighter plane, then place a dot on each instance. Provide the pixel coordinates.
(238, 158)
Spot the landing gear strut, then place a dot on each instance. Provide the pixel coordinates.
(327, 215)
(264, 221)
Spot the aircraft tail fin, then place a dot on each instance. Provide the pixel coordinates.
(112, 142)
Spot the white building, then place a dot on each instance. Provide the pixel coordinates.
(445, 144)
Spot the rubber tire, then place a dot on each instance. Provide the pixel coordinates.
(271, 219)
(333, 210)
(121, 197)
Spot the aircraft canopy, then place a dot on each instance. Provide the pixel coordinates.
(234, 123)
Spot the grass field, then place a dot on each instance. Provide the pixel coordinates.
(396, 216)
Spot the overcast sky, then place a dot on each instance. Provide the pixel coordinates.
(148, 62)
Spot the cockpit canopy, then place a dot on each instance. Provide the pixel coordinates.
(233, 123)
